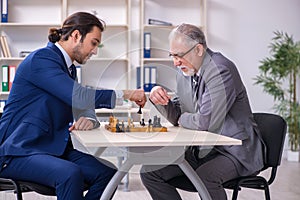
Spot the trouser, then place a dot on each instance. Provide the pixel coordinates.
(67, 174)
(213, 170)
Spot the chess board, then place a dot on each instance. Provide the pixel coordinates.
(116, 126)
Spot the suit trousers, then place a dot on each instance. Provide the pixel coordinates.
(67, 173)
(214, 169)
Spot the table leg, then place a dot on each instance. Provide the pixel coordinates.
(194, 178)
(126, 178)
(113, 183)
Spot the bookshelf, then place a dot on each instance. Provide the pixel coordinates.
(177, 12)
(127, 21)
(29, 22)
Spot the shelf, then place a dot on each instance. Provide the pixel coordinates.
(158, 26)
(11, 59)
(18, 24)
(4, 95)
(150, 26)
(157, 59)
(95, 58)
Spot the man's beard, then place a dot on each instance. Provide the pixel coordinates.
(189, 72)
(79, 56)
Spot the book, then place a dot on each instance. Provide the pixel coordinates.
(4, 78)
(147, 45)
(3, 47)
(6, 45)
(4, 10)
(11, 74)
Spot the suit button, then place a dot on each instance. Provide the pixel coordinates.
(70, 123)
(66, 139)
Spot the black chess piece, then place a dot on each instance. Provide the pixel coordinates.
(118, 129)
(142, 123)
(140, 110)
(150, 122)
(122, 127)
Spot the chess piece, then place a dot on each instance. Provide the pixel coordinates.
(155, 121)
(122, 126)
(158, 122)
(142, 123)
(149, 122)
(140, 110)
(118, 129)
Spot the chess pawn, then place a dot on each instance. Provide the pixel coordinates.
(142, 123)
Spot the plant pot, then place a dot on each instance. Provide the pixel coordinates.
(293, 156)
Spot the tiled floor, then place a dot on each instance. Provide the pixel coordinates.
(285, 187)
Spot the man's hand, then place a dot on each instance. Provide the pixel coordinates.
(138, 96)
(159, 96)
(82, 124)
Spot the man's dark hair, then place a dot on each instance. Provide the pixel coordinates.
(81, 21)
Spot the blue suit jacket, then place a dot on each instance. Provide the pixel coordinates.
(43, 103)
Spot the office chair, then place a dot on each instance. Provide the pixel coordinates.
(273, 130)
(19, 187)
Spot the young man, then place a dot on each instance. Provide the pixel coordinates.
(210, 96)
(43, 103)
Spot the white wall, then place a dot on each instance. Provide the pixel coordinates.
(242, 30)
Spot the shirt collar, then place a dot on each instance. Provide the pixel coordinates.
(65, 54)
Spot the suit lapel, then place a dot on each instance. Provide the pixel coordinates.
(59, 53)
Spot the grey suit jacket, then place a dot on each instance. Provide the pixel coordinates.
(223, 107)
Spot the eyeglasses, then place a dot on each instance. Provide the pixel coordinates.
(180, 55)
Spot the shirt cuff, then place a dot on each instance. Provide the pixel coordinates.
(119, 94)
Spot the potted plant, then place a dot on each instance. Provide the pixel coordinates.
(278, 76)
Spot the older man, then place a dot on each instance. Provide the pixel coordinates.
(210, 96)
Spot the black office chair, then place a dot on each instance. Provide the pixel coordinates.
(19, 187)
(273, 130)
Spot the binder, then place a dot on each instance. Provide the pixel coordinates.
(138, 77)
(150, 77)
(4, 11)
(147, 78)
(158, 22)
(147, 45)
(78, 72)
(4, 78)
(11, 73)
(153, 76)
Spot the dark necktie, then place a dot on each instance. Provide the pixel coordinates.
(72, 69)
(195, 80)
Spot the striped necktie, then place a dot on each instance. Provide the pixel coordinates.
(195, 84)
